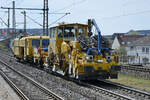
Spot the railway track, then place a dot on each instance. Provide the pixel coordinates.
(106, 92)
(131, 90)
(15, 88)
(136, 68)
(47, 94)
(126, 91)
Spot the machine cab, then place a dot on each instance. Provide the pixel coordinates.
(66, 32)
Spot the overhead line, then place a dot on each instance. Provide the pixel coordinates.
(57, 20)
(34, 21)
(71, 5)
(3, 21)
(22, 8)
(129, 14)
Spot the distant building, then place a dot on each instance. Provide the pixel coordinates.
(142, 32)
(120, 44)
(124, 40)
(139, 51)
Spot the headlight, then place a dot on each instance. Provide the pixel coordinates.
(99, 61)
(89, 58)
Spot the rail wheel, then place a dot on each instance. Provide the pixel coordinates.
(54, 68)
(41, 63)
(75, 75)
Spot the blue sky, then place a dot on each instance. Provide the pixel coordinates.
(111, 15)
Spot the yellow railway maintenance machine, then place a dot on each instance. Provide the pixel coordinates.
(72, 55)
(33, 49)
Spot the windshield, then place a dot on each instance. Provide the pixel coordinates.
(69, 33)
(45, 43)
(81, 31)
(60, 32)
(35, 42)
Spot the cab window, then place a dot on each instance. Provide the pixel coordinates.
(35, 42)
(69, 32)
(45, 43)
(81, 31)
(53, 32)
(60, 32)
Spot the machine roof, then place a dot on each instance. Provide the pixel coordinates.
(71, 24)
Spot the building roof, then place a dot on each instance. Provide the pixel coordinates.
(144, 41)
(125, 40)
(144, 32)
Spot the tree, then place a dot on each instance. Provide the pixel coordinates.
(122, 54)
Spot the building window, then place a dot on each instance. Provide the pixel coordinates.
(131, 48)
(147, 50)
(143, 49)
(145, 60)
(123, 43)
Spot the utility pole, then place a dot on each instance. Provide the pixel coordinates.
(45, 15)
(45, 18)
(8, 21)
(13, 18)
(25, 22)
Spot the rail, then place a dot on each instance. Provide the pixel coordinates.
(41, 87)
(15, 88)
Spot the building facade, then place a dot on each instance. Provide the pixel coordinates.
(139, 51)
(130, 53)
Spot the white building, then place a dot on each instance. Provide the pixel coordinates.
(139, 51)
(116, 44)
(124, 40)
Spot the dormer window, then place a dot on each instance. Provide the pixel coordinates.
(131, 48)
(128, 42)
(123, 43)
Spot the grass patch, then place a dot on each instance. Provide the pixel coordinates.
(132, 81)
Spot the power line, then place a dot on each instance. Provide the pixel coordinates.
(131, 2)
(70, 5)
(58, 19)
(53, 13)
(22, 8)
(3, 21)
(45, 14)
(33, 20)
(128, 14)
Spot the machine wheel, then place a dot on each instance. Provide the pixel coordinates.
(18, 59)
(50, 70)
(75, 73)
(41, 63)
(70, 71)
(66, 72)
(54, 68)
